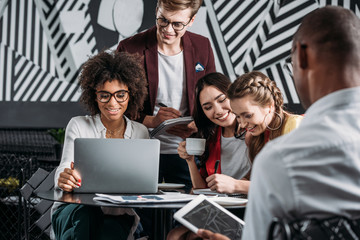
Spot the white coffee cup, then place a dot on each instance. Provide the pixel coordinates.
(195, 146)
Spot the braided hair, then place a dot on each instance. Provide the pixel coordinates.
(264, 92)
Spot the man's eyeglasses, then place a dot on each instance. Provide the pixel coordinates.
(120, 96)
(288, 62)
(177, 26)
(289, 65)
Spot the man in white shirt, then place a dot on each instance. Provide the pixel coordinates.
(314, 171)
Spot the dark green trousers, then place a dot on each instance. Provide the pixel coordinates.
(74, 221)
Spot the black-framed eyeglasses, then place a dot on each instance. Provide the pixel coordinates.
(288, 65)
(120, 96)
(177, 26)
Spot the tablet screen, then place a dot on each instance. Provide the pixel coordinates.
(207, 216)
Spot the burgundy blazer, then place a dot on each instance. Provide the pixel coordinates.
(198, 55)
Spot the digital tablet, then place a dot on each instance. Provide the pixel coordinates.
(204, 213)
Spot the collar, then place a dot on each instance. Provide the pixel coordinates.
(98, 124)
(337, 99)
(100, 128)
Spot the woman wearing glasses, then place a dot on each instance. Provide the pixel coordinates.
(224, 141)
(258, 105)
(113, 84)
(174, 59)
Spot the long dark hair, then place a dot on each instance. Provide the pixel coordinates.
(206, 128)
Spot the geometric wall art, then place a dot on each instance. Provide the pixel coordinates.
(43, 44)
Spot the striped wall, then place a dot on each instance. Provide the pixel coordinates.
(43, 43)
(256, 35)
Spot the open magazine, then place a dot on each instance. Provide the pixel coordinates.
(161, 129)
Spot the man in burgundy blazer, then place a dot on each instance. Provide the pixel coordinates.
(197, 50)
(169, 37)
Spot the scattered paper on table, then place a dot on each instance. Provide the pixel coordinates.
(163, 198)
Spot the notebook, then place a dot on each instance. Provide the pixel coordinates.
(117, 165)
(165, 125)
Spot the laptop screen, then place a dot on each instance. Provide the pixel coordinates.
(117, 165)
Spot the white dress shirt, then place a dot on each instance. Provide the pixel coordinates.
(314, 171)
(92, 127)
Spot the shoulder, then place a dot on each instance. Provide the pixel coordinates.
(196, 39)
(138, 129)
(198, 49)
(82, 120)
(138, 125)
(81, 124)
(78, 120)
(139, 41)
(291, 123)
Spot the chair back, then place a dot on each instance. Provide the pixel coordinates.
(34, 207)
(337, 227)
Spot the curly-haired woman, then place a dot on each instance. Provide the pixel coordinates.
(258, 105)
(113, 84)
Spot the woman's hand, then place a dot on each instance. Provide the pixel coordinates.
(69, 179)
(206, 234)
(221, 183)
(182, 152)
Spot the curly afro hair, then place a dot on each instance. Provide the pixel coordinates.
(109, 66)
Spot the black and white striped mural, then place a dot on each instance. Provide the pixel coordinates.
(43, 43)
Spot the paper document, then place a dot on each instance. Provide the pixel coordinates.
(155, 198)
(161, 129)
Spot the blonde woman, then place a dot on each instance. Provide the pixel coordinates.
(257, 104)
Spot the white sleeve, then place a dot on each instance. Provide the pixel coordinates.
(72, 132)
(270, 193)
(139, 131)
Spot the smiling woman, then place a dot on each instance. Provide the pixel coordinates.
(258, 105)
(217, 124)
(113, 85)
(224, 166)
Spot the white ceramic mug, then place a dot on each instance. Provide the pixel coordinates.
(195, 146)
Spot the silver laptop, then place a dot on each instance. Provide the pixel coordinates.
(117, 165)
